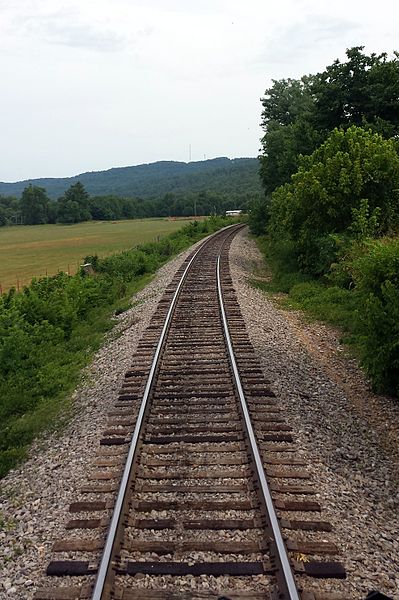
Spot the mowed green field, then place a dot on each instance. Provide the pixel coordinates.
(36, 250)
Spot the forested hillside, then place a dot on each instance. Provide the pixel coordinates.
(166, 189)
(330, 214)
(219, 175)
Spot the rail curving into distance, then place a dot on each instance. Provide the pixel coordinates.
(287, 584)
(288, 589)
(202, 477)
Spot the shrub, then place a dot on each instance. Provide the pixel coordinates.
(379, 324)
(377, 264)
(376, 276)
(352, 180)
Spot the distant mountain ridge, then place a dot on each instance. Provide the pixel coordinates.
(154, 179)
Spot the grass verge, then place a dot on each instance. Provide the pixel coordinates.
(51, 330)
(294, 290)
(360, 295)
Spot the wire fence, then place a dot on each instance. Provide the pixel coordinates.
(18, 282)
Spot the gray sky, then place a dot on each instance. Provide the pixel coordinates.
(91, 84)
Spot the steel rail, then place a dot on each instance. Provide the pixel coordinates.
(291, 588)
(116, 516)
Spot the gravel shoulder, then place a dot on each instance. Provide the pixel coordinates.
(349, 434)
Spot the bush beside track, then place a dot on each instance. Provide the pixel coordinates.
(49, 332)
(333, 243)
(360, 294)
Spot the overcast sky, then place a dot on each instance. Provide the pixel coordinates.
(91, 84)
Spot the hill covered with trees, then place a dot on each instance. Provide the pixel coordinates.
(163, 189)
(220, 175)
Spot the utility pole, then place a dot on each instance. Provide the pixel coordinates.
(189, 153)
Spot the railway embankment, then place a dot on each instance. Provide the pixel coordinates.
(350, 449)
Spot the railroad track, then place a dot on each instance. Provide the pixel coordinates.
(197, 490)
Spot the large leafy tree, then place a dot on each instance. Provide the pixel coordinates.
(10, 210)
(74, 205)
(362, 90)
(353, 171)
(34, 205)
(68, 212)
(298, 115)
(289, 132)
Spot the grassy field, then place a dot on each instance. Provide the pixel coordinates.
(35, 250)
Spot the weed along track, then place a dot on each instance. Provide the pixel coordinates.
(197, 490)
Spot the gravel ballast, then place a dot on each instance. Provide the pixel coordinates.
(348, 435)
(34, 499)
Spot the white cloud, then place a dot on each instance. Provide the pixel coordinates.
(65, 29)
(292, 45)
(96, 83)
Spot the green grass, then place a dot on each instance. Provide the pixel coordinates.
(296, 291)
(36, 250)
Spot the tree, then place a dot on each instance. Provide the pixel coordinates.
(259, 216)
(331, 187)
(298, 115)
(10, 210)
(283, 146)
(286, 119)
(52, 212)
(287, 101)
(74, 204)
(68, 212)
(3, 216)
(364, 90)
(34, 205)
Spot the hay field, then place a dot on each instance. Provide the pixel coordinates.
(36, 250)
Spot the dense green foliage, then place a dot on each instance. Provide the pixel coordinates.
(10, 211)
(362, 91)
(298, 115)
(73, 206)
(49, 331)
(34, 205)
(374, 270)
(360, 294)
(289, 131)
(330, 170)
(379, 339)
(351, 167)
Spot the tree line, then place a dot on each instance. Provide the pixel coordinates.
(330, 210)
(76, 205)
